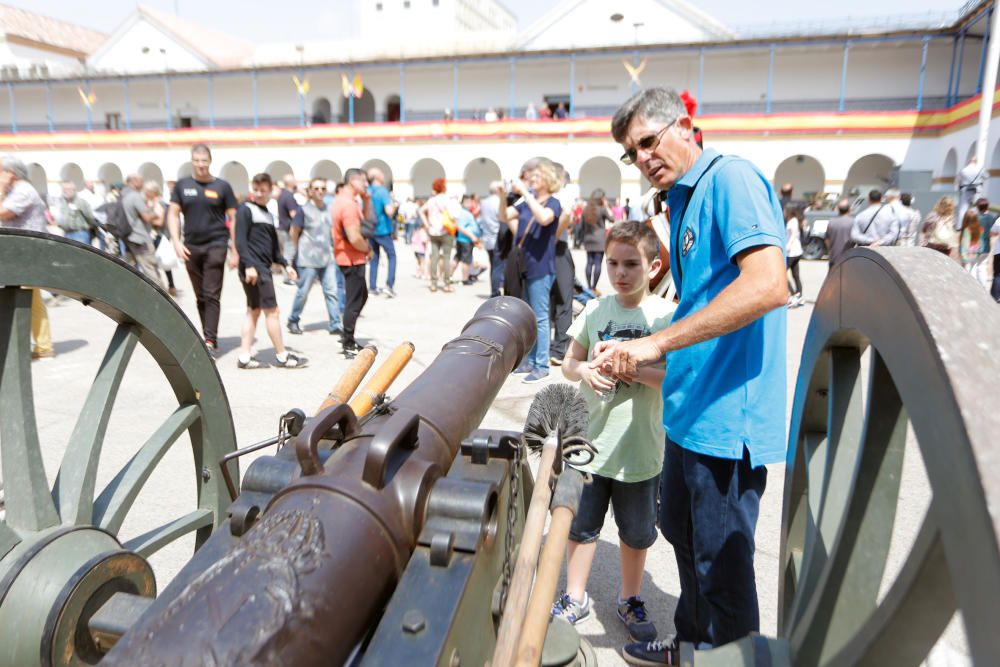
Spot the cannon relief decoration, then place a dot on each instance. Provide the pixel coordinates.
(394, 531)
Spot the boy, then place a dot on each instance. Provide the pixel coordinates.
(468, 234)
(625, 426)
(257, 245)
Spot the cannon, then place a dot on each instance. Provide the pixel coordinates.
(388, 538)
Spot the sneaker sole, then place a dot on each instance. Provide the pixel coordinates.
(534, 380)
(632, 660)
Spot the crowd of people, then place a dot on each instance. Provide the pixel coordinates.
(682, 446)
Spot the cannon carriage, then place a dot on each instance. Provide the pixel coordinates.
(389, 536)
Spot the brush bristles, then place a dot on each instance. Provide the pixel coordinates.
(556, 408)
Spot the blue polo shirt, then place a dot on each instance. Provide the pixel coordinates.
(726, 393)
(380, 199)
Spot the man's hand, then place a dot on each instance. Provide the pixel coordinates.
(292, 273)
(622, 359)
(251, 275)
(181, 250)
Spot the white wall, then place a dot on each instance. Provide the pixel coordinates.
(126, 53)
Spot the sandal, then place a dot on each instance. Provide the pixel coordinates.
(434, 288)
(448, 288)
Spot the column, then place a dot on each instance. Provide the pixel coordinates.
(701, 75)
(982, 54)
(128, 114)
(923, 74)
(13, 107)
(256, 115)
(770, 79)
(951, 71)
(843, 79)
(90, 111)
(302, 98)
(48, 106)
(958, 69)
(402, 92)
(454, 91)
(513, 89)
(211, 101)
(350, 100)
(167, 103)
(572, 84)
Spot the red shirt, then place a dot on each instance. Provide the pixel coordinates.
(345, 212)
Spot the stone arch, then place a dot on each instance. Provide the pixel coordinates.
(423, 173)
(326, 169)
(322, 111)
(109, 173)
(278, 170)
(479, 174)
(871, 171)
(238, 178)
(393, 108)
(38, 178)
(185, 170)
(950, 167)
(384, 166)
(71, 171)
(364, 108)
(601, 172)
(151, 172)
(804, 172)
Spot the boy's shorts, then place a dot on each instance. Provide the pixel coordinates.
(260, 295)
(634, 505)
(463, 253)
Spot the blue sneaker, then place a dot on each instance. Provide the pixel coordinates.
(632, 613)
(571, 610)
(537, 375)
(656, 652)
(525, 368)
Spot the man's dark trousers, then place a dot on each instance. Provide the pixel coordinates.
(357, 295)
(206, 267)
(562, 300)
(497, 264)
(708, 513)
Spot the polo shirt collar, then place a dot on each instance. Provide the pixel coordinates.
(701, 164)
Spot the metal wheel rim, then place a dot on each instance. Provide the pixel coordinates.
(145, 316)
(926, 321)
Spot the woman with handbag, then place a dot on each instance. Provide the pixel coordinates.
(438, 216)
(533, 222)
(938, 229)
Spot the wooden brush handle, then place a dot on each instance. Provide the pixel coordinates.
(382, 379)
(351, 379)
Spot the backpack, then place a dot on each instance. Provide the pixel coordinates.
(117, 222)
(368, 220)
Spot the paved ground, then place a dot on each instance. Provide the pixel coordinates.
(259, 397)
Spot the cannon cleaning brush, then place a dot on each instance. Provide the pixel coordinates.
(558, 409)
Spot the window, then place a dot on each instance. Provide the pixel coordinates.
(112, 121)
(435, 2)
(378, 6)
(406, 4)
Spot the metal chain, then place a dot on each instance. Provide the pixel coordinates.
(515, 486)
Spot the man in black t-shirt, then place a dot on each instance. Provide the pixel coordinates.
(209, 208)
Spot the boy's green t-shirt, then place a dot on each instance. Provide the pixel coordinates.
(628, 429)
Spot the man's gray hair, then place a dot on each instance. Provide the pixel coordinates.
(657, 104)
(16, 166)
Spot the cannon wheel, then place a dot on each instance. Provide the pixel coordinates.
(932, 333)
(61, 556)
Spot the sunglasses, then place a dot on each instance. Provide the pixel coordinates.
(646, 144)
(318, 189)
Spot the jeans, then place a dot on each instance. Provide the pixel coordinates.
(327, 277)
(81, 235)
(708, 513)
(538, 292)
(496, 271)
(408, 231)
(205, 267)
(357, 296)
(634, 506)
(995, 287)
(441, 247)
(386, 243)
(593, 272)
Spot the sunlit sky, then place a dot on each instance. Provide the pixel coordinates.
(292, 20)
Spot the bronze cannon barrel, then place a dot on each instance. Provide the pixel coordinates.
(307, 582)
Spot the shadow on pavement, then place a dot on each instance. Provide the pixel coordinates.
(64, 346)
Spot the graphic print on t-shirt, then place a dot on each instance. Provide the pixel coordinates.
(622, 331)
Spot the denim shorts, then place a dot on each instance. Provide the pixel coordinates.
(634, 506)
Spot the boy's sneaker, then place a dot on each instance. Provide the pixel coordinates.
(212, 348)
(656, 652)
(632, 613)
(536, 375)
(569, 609)
(292, 360)
(249, 364)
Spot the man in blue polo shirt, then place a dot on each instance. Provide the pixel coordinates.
(724, 391)
(385, 216)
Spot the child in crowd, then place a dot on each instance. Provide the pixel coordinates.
(468, 234)
(419, 241)
(257, 244)
(626, 426)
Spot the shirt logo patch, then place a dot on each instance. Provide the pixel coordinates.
(190, 192)
(687, 242)
(211, 194)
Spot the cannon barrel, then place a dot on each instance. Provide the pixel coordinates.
(306, 583)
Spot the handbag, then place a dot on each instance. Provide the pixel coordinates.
(516, 268)
(166, 257)
(448, 223)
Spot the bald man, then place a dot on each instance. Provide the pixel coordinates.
(289, 213)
